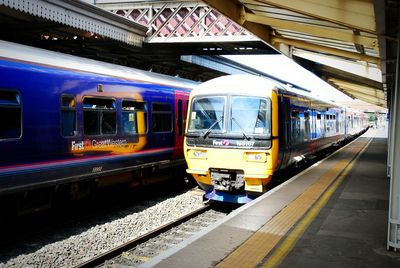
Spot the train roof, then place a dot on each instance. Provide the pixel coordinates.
(48, 58)
(253, 84)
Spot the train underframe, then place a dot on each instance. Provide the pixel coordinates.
(228, 185)
(32, 200)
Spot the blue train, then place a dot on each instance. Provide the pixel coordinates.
(66, 119)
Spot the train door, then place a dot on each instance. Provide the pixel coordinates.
(307, 126)
(322, 125)
(336, 117)
(161, 123)
(314, 137)
(296, 136)
(313, 124)
(286, 133)
(181, 105)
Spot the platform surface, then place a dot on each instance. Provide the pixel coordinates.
(290, 227)
(351, 230)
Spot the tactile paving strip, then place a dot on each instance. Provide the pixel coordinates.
(259, 245)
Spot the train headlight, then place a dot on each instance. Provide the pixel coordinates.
(197, 154)
(256, 157)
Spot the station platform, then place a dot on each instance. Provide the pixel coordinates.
(333, 214)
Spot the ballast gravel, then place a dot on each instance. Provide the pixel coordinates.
(97, 239)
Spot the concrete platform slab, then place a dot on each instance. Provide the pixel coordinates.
(348, 231)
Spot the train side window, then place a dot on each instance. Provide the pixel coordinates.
(10, 115)
(134, 117)
(99, 116)
(68, 115)
(161, 117)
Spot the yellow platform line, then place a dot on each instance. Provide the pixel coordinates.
(281, 252)
(260, 244)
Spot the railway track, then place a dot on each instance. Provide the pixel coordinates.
(87, 231)
(143, 248)
(93, 235)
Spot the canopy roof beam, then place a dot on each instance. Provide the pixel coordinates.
(373, 92)
(325, 49)
(325, 32)
(362, 69)
(354, 14)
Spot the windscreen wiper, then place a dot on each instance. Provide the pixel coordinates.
(211, 127)
(244, 132)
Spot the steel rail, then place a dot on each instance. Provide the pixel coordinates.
(101, 258)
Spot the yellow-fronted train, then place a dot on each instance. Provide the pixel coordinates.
(243, 128)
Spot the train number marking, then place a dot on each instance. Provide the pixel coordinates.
(97, 169)
(245, 143)
(238, 143)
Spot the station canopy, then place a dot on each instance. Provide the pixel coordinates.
(349, 44)
(342, 41)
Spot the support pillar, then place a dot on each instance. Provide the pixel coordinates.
(390, 150)
(394, 166)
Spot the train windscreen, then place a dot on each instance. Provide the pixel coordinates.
(250, 115)
(247, 116)
(207, 114)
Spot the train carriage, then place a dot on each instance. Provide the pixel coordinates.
(243, 128)
(65, 119)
